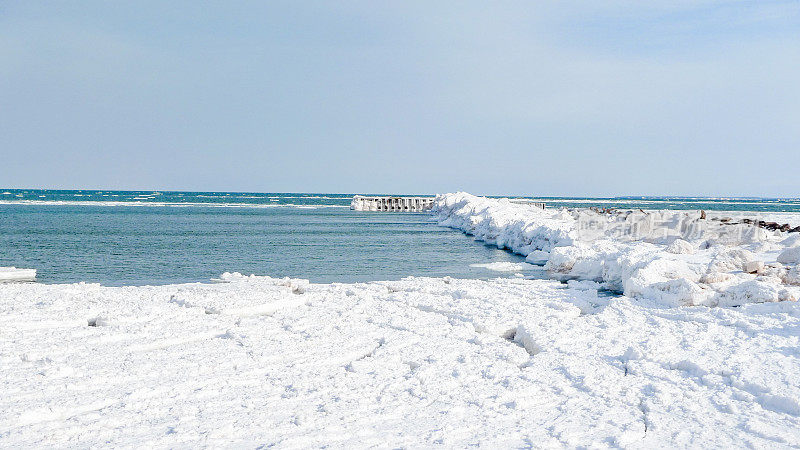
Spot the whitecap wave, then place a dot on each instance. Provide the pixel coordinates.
(162, 204)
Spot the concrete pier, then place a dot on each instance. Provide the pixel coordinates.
(540, 205)
(395, 204)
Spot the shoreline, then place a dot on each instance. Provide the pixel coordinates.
(697, 352)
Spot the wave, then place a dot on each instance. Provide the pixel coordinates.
(162, 204)
(347, 197)
(325, 197)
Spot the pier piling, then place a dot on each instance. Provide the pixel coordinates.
(391, 204)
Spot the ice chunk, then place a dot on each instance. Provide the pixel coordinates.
(790, 256)
(793, 276)
(503, 266)
(538, 257)
(731, 259)
(754, 266)
(13, 274)
(680, 247)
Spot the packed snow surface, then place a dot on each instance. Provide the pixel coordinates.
(659, 258)
(254, 361)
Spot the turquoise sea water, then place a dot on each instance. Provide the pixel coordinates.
(117, 237)
(121, 238)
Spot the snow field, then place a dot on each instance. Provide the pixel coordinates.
(412, 363)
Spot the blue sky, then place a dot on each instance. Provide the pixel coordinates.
(525, 98)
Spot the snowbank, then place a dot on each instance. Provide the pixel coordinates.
(257, 361)
(661, 258)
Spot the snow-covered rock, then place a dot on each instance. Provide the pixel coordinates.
(537, 257)
(680, 247)
(666, 258)
(754, 266)
(790, 256)
(792, 276)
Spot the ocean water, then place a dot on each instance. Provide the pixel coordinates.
(766, 205)
(134, 238)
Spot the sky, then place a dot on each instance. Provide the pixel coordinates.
(518, 98)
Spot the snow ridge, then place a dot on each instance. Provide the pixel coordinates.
(661, 258)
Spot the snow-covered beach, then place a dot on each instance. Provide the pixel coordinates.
(695, 352)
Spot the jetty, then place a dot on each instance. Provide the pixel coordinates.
(391, 204)
(411, 204)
